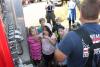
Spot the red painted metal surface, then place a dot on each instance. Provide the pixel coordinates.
(5, 55)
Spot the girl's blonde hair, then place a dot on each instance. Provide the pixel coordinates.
(30, 30)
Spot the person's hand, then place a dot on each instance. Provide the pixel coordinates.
(46, 37)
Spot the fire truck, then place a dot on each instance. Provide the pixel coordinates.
(13, 43)
(5, 55)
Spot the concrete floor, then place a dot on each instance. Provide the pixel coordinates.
(33, 12)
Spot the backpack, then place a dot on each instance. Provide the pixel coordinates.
(91, 56)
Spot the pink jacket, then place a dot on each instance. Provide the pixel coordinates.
(34, 47)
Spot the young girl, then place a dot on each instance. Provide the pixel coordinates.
(34, 45)
(48, 45)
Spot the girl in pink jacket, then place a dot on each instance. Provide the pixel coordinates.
(34, 45)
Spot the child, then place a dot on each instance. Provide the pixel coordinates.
(48, 45)
(61, 32)
(34, 45)
(42, 23)
(56, 27)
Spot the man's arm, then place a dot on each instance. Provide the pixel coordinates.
(59, 56)
(64, 48)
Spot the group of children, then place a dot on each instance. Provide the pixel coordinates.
(44, 40)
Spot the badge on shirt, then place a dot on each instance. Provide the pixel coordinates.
(86, 52)
(85, 49)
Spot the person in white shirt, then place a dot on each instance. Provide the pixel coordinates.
(48, 40)
(71, 13)
(50, 16)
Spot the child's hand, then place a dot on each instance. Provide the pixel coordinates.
(46, 37)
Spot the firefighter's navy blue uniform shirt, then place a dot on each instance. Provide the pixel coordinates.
(72, 46)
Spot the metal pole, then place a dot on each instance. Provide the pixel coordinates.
(13, 13)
